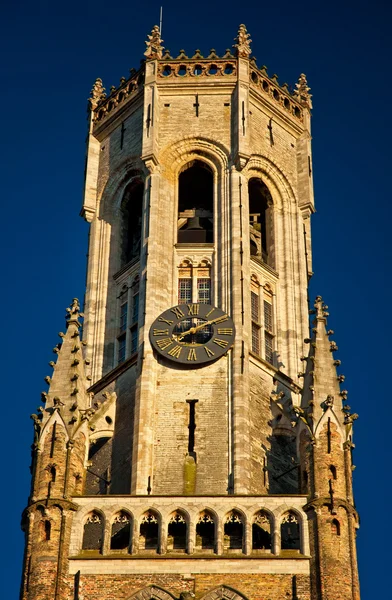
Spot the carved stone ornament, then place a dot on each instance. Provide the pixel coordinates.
(243, 42)
(301, 92)
(97, 93)
(154, 44)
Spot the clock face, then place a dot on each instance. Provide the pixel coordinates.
(192, 334)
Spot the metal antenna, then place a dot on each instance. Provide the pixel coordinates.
(160, 21)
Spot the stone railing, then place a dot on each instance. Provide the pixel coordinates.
(269, 512)
(128, 88)
(279, 93)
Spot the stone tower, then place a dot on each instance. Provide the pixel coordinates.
(196, 443)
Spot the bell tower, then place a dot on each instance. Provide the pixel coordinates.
(194, 441)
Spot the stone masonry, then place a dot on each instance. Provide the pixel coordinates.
(198, 189)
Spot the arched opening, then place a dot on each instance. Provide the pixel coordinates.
(98, 469)
(233, 532)
(290, 532)
(261, 532)
(333, 472)
(52, 474)
(335, 527)
(132, 212)
(195, 204)
(120, 538)
(93, 533)
(149, 532)
(205, 531)
(260, 221)
(177, 533)
(45, 528)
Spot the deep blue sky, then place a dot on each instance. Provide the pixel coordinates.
(51, 54)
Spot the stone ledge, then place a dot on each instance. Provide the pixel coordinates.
(248, 565)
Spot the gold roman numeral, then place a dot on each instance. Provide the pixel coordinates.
(192, 354)
(193, 309)
(176, 351)
(162, 320)
(221, 343)
(223, 331)
(208, 351)
(160, 332)
(221, 319)
(164, 343)
(210, 312)
(178, 312)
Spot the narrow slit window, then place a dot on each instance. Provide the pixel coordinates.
(255, 316)
(134, 339)
(268, 327)
(123, 316)
(122, 347)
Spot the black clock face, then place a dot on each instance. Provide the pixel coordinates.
(192, 334)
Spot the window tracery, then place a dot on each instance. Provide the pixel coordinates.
(233, 531)
(290, 532)
(261, 531)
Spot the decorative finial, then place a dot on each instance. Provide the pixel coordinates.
(301, 92)
(73, 313)
(320, 309)
(243, 42)
(154, 44)
(97, 93)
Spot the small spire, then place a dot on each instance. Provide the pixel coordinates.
(68, 382)
(97, 93)
(154, 44)
(243, 42)
(321, 388)
(301, 92)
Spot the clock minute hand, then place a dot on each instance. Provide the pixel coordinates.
(198, 327)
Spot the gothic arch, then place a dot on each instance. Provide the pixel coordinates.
(273, 176)
(223, 592)
(323, 421)
(178, 154)
(151, 592)
(112, 194)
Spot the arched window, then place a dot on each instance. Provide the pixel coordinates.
(333, 472)
(177, 532)
(260, 221)
(233, 532)
(98, 469)
(149, 532)
(205, 531)
(335, 527)
(195, 204)
(261, 532)
(120, 538)
(52, 474)
(93, 532)
(290, 532)
(132, 212)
